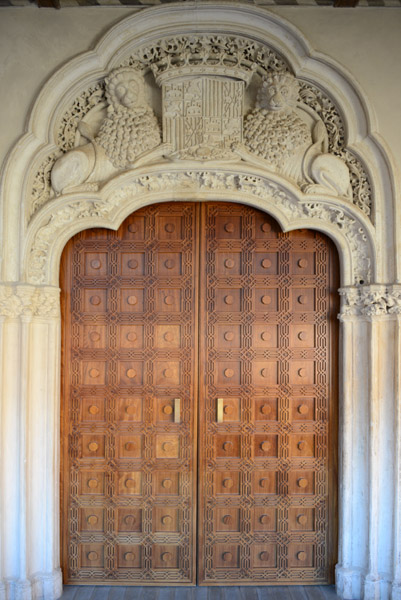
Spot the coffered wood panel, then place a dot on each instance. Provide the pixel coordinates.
(266, 410)
(267, 401)
(129, 424)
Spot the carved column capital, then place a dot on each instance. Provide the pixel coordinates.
(370, 300)
(23, 300)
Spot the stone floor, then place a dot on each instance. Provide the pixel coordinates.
(320, 592)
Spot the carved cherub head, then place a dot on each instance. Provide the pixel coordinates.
(125, 87)
(279, 91)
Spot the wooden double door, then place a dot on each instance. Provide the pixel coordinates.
(199, 400)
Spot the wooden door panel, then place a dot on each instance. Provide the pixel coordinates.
(267, 412)
(267, 398)
(129, 422)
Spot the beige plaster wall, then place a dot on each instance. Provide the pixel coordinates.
(36, 42)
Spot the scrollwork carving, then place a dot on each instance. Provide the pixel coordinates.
(38, 258)
(370, 301)
(29, 301)
(353, 232)
(319, 102)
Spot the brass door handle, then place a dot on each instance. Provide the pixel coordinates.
(220, 410)
(177, 410)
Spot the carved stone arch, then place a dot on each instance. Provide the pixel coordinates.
(78, 87)
(56, 223)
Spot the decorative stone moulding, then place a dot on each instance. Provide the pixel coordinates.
(200, 111)
(52, 228)
(29, 301)
(371, 300)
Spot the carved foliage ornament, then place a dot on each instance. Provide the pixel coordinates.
(91, 99)
(372, 300)
(52, 228)
(29, 301)
(130, 130)
(195, 181)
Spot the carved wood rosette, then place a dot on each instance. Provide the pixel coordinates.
(130, 306)
(267, 401)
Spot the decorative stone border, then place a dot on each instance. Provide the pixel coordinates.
(351, 230)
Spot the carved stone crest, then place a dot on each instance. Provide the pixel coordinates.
(202, 116)
(203, 120)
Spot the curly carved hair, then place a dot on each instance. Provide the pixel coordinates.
(280, 80)
(121, 75)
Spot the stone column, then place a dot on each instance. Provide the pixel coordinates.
(367, 452)
(353, 452)
(30, 357)
(396, 584)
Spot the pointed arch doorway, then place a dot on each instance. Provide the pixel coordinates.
(199, 411)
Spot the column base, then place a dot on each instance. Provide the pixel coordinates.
(17, 589)
(349, 583)
(47, 586)
(395, 591)
(42, 586)
(376, 588)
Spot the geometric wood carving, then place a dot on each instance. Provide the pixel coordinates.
(266, 330)
(267, 462)
(129, 306)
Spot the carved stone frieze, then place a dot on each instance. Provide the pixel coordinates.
(352, 230)
(194, 182)
(200, 181)
(22, 300)
(235, 56)
(372, 300)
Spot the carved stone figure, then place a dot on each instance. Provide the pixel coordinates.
(128, 136)
(292, 138)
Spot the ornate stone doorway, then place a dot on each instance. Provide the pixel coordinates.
(220, 286)
(227, 51)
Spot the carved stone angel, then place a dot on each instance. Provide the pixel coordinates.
(128, 136)
(292, 139)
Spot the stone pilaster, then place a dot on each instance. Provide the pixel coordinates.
(29, 347)
(368, 316)
(396, 583)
